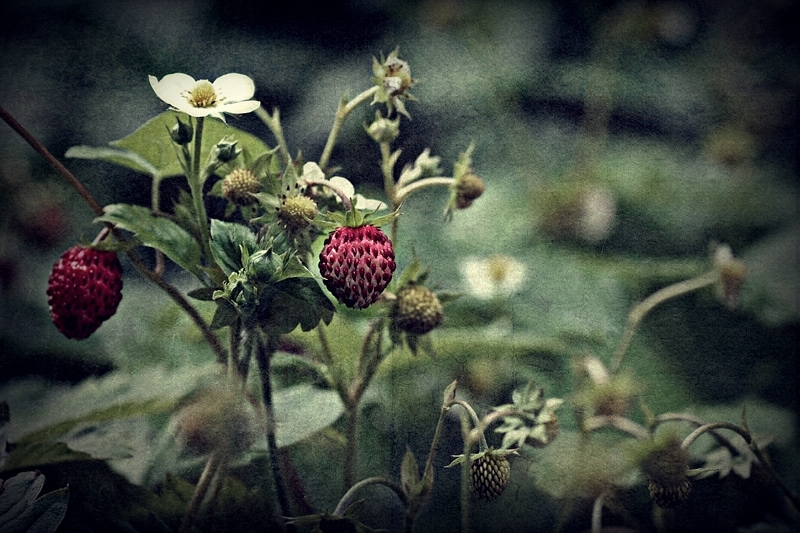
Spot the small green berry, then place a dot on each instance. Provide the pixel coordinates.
(297, 212)
(237, 186)
(417, 310)
(489, 475)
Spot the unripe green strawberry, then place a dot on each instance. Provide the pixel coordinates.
(666, 466)
(297, 212)
(356, 264)
(417, 310)
(669, 496)
(237, 186)
(84, 290)
(489, 475)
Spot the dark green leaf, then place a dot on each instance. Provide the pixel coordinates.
(225, 315)
(157, 232)
(293, 302)
(225, 240)
(21, 512)
(203, 293)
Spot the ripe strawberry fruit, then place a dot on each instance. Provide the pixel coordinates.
(84, 289)
(489, 475)
(356, 264)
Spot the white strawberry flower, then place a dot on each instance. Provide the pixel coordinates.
(497, 275)
(312, 172)
(230, 93)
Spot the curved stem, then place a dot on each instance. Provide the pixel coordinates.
(403, 192)
(465, 467)
(476, 423)
(342, 112)
(641, 309)
(626, 425)
(597, 512)
(793, 497)
(348, 205)
(347, 499)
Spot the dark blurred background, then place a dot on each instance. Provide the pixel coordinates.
(680, 117)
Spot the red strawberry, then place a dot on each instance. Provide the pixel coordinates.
(84, 289)
(356, 264)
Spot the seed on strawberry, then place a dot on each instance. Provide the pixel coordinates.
(417, 310)
(356, 264)
(237, 186)
(84, 290)
(489, 475)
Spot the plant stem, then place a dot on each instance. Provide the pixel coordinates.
(196, 188)
(476, 422)
(347, 499)
(348, 205)
(274, 124)
(55, 163)
(403, 192)
(264, 348)
(793, 497)
(641, 309)
(465, 469)
(342, 112)
(213, 465)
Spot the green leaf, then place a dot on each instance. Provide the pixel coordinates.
(118, 156)
(302, 410)
(225, 240)
(293, 302)
(36, 454)
(150, 149)
(21, 512)
(225, 315)
(157, 232)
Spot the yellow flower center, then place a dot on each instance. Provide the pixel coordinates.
(203, 95)
(498, 267)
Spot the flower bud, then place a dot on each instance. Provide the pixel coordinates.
(383, 129)
(469, 187)
(181, 133)
(732, 274)
(227, 151)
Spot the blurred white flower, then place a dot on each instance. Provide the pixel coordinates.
(230, 93)
(497, 275)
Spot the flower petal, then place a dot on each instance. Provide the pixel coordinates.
(344, 185)
(235, 87)
(239, 108)
(171, 88)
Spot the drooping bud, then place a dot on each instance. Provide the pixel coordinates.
(666, 467)
(226, 151)
(469, 187)
(181, 134)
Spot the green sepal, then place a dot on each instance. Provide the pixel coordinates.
(226, 238)
(292, 302)
(204, 294)
(225, 314)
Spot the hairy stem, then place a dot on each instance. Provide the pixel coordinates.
(210, 471)
(196, 188)
(274, 124)
(344, 109)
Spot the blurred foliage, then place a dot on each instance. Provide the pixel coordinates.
(677, 120)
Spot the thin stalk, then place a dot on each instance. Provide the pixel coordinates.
(641, 309)
(213, 465)
(348, 205)
(264, 349)
(597, 513)
(476, 422)
(403, 192)
(196, 188)
(342, 112)
(792, 496)
(349, 496)
(274, 124)
(55, 163)
(465, 470)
